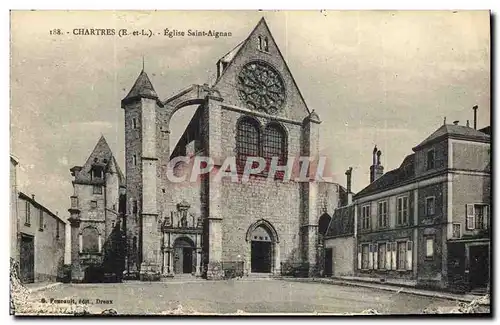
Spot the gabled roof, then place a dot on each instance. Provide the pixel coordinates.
(392, 178)
(101, 156)
(229, 57)
(342, 223)
(454, 131)
(38, 205)
(142, 88)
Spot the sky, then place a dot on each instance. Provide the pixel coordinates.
(374, 77)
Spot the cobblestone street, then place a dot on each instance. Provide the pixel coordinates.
(252, 296)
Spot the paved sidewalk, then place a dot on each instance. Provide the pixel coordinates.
(385, 287)
(37, 286)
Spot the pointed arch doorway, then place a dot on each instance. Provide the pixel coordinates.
(264, 248)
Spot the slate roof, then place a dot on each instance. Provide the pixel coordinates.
(456, 131)
(342, 223)
(486, 130)
(392, 178)
(142, 88)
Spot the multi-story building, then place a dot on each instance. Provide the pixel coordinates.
(254, 109)
(96, 219)
(40, 243)
(37, 235)
(426, 223)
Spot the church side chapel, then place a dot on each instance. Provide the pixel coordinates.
(208, 228)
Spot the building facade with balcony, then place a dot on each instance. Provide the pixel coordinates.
(97, 217)
(426, 222)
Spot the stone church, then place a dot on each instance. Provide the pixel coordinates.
(208, 228)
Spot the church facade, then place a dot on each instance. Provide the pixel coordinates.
(206, 227)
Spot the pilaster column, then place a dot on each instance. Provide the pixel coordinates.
(170, 262)
(76, 270)
(277, 259)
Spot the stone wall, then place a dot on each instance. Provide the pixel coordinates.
(48, 245)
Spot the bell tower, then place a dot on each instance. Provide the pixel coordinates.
(140, 107)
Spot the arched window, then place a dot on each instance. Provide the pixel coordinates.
(260, 43)
(247, 140)
(266, 45)
(274, 144)
(90, 240)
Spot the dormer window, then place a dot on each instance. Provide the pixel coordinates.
(431, 159)
(96, 173)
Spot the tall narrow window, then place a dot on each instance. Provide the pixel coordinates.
(274, 145)
(259, 44)
(365, 252)
(134, 123)
(457, 233)
(28, 213)
(266, 45)
(430, 206)
(96, 173)
(429, 247)
(383, 220)
(134, 160)
(40, 221)
(401, 255)
(402, 211)
(431, 159)
(134, 207)
(247, 141)
(365, 218)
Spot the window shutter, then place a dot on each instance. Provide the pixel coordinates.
(394, 257)
(388, 256)
(469, 209)
(370, 256)
(409, 255)
(486, 219)
(359, 257)
(375, 256)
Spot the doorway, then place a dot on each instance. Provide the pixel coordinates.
(261, 250)
(261, 257)
(329, 262)
(27, 259)
(183, 256)
(479, 266)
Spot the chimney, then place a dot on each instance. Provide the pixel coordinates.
(475, 117)
(467, 123)
(376, 170)
(349, 180)
(33, 197)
